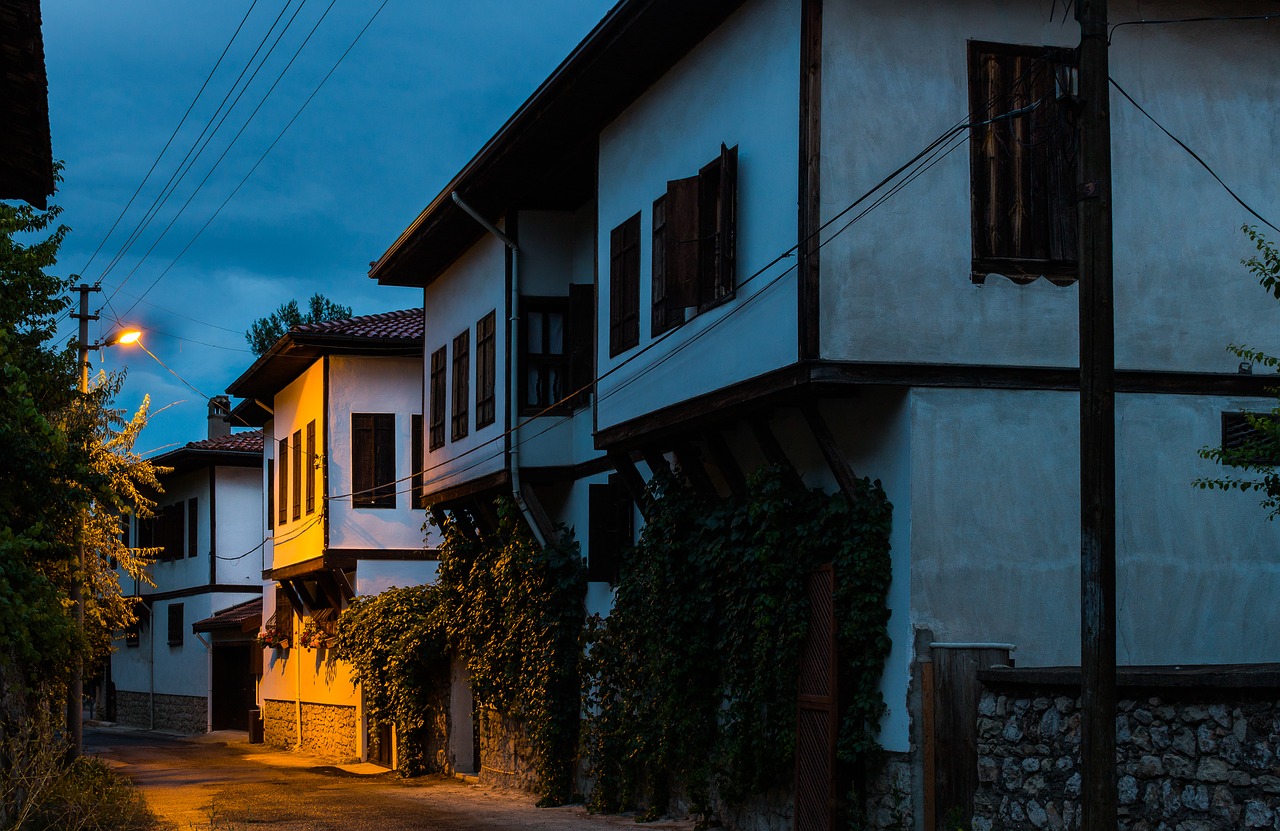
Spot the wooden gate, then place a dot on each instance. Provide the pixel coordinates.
(817, 720)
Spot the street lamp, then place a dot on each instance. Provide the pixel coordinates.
(75, 694)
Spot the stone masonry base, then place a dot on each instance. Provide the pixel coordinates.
(328, 730)
(180, 713)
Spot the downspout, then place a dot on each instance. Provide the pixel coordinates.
(208, 649)
(513, 383)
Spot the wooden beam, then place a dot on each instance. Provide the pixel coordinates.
(656, 461)
(689, 459)
(845, 477)
(773, 451)
(344, 585)
(292, 593)
(632, 481)
(927, 742)
(329, 588)
(485, 515)
(725, 462)
(809, 215)
(539, 513)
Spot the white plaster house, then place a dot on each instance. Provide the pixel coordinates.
(173, 672)
(338, 402)
(929, 340)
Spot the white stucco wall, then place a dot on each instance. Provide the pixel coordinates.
(372, 385)
(471, 288)
(238, 525)
(739, 87)
(995, 530)
(896, 285)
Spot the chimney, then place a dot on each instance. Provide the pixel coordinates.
(219, 415)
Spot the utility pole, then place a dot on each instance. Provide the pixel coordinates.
(1097, 430)
(75, 691)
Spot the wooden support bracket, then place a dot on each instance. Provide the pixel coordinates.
(689, 459)
(845, 477)
(725, 462)
(773, 451)
(632, 481)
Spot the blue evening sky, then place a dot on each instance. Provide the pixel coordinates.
(426, 85)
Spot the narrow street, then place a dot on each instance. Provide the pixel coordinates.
(220, 782)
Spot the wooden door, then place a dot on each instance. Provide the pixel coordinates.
(233, 686)
(817, 718)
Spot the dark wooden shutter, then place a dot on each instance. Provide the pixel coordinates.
(384, 460)
(582, 341)
(486, 369)
(460, 422)
(624, 286)
(362, 460)
(282, 497)
(311, 467)
(271, 494)
(175, 624)
(438, 389)
(193, 527)
(661, 319)
(417, 497)
(727, 223)
(684, 247)
(297, 474)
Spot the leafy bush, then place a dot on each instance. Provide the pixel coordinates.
(90, 795)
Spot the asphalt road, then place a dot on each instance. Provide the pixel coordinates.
(220, 782)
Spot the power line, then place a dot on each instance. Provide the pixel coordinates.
(1169, 21)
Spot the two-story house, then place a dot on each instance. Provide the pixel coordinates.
(340, 403)
(841, 235)
(168, 672)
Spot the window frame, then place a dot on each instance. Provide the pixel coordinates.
(460, 416)
(486, 369)
(439, 388)
(176, 632)
(624, 286)
(1023, 213)
(311, 467)
(373, 478)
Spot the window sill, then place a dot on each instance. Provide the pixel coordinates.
(1058, 272)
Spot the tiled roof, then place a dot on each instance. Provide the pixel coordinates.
(249, 441)
(243, 617)
(406, 323)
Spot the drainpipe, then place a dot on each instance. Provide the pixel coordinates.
(513, 385)
(208, 672)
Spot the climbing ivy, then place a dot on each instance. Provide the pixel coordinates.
(515, 616)
(397, 647)
(691, 681)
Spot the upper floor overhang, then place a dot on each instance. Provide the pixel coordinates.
(26, 151)
(390, 334)
(544, 157)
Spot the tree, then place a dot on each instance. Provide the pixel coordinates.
(1253, 460)
(265, 331)
(67, 474)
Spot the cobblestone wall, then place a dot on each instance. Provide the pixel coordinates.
(1188, 760)
(506, 759)
(280, 723)
(329, 730)
(179, 713)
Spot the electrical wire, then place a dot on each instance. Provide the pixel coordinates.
(1169, 21)
(1195, 156)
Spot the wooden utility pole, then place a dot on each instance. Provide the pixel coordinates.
(1097, 430)
(75, 690)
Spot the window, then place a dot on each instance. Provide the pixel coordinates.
(1252, 444)
(1022, 162)
(486, 368)
(281, 619)
(169, 532)
(373, 460)
(611, 530)
(193, 526)
(175, 624)
(695, 242)
(558, 352)
(461, 382)
(297, 474)
(133, 632)
(311, 467)
(271, 494)
(282, 498)
(417, 492)
(438, 361)
(624, 286)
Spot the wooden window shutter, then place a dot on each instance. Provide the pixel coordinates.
(460, 422)
(717, 197)
(417, 460)
(193, 527)
(175, 624)
(726, 223)
(297, 474)
(282, 477)
(439, 359)
(486, 369)
(582, 341)
(362, 460)
(271, 494)
(311, 467)
(624, 286)
(684, 247)
(658, 272)
(384, 460)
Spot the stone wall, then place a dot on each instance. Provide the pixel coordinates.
(506, 758)
(1196, 751)
(180, 713)
(329, 730)
(280, 723)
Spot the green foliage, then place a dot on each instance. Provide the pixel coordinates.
(89, 795)
(515, 616)
(265, 331)
(1255, 459)
(396, 645)
(692, 679)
